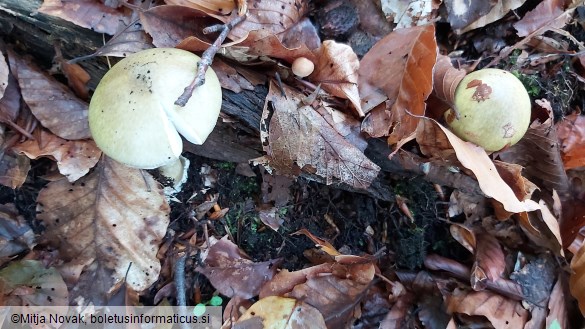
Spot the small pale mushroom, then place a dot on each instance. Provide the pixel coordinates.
(491, 109)
(302, 67)
(132, 115)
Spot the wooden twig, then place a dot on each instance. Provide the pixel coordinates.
(207, 57)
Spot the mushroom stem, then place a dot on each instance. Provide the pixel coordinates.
(177, 171)
(207, 57)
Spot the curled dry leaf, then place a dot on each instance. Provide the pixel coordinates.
(446, 78)
(557, 305)
(336, 71)
(281, 312)
(13, 168)
(475, 159)
(300, 138)
(398, 316)
(113, 217)
(577, 278)
(232, 272)
(408, 14)
(397, 74)
(489, 256)
(462, 14)
(571, 132)
(214, 7)
(52, 103)
(539, 153)
(89, 14)
(499, 310)
(548, 14)
(4, 72)
(334, 289)
(15, 234)
(497, 11)
(168, 25)
(29, 283)
(127, 41)
(74, 158)
(273, 16)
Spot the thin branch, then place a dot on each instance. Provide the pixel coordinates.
(207, 58)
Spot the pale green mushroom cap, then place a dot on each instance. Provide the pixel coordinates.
(132, 115)
(494, 109)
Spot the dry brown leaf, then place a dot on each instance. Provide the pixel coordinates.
(489, 256)
(4, 72)
(29, 283)
(408, 14)
(74, 158)
(216, 7)
(264, 43)
(302, 138)
(334, 289)
(500, 311)
(229, 78)
(10, 103)
(475, 159)
(446, 78)
(539, 153)
(127, 41)
(571, 132)
(473, 206)
(462, 13)
(336, 71)
(464, 235)
(113, 217)
(557, 305)
(303, 33)
(273, 16)
(552, 223)
(398, 70)
(168, 25)
(280, 312)
(549, 14)
(499, 10)
(232, 272)
(52, 103)
(89, 14)
(577, 278)
(16, 235)
(399, 314)
(13, 168)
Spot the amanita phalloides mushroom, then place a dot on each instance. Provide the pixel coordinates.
(132, 115)
(491, 108)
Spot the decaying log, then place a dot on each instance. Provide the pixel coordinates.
(37, 34)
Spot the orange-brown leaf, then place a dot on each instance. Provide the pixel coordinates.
(399, 69)
(336, 71)
(74, 158)
(87, 13)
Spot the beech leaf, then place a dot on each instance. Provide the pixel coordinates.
(51, 102)
(113, 217)
(499, 310)
(281, 312)
(548, 13)
(232, 272)
(475, 159)
(29, 283)
(301, 138)
(90, 14)
(336, 71)
(74, 158)
(398, 70)
(16, 235)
